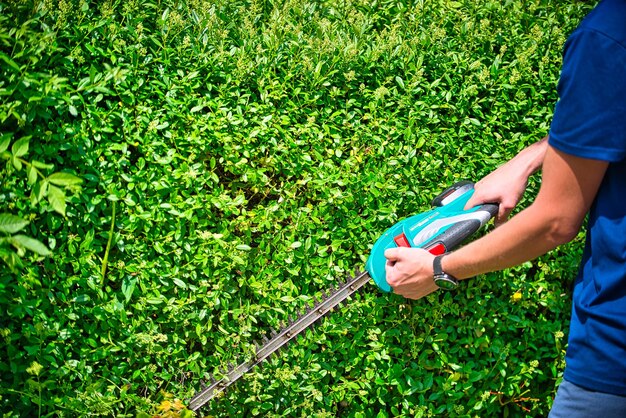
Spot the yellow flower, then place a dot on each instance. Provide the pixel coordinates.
(34, 369)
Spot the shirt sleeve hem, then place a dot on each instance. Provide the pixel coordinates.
(593, 153)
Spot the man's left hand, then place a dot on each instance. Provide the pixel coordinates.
(409, 271)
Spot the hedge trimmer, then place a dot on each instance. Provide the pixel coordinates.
(437, 230)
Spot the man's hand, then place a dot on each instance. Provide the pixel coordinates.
(409, 271)
(506, 185)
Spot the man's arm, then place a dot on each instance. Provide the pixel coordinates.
(569, 185)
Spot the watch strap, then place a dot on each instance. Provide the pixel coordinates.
(437, 269)
(442, 279)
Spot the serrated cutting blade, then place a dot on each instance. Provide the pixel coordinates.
(283, 337)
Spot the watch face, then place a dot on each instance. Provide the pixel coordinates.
(445, 282)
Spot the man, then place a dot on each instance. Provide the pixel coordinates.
(583, 162)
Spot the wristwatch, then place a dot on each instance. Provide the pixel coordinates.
(443, 280)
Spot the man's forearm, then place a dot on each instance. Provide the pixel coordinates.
(524, 237)
(530, 159)
(568, 188)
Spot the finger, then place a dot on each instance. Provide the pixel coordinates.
(502, 216)
(392, 254)
(474, 200)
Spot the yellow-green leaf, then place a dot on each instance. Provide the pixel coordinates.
(64, 179)
(56, 198)
(11, 223)
(9, 61)
(29, 243)
(16, 163)
(20, 147)
(4, 143)
(32, 175)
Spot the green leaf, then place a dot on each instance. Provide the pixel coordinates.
(11, 224)
(32, 175)
(128, 287)
(20, 147)
(39, 164)
(400, 81)
(16, 163)
(29, 243)
(56, 198)
(154, 301)
(64, 179)
(4, 142)
(11, 259)
(40, 190)
(179, 283)
(81, 298)
(9, 61)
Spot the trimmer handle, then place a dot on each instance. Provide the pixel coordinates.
(452, 193)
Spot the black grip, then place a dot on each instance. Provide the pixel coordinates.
(492, 208)
(458, 233)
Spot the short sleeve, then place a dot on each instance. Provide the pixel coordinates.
(590, 117)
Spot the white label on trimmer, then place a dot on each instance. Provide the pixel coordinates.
(481, 215)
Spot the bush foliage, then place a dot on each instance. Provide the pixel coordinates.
(188, 175)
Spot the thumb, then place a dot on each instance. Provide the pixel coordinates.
(392, 254)
(474, 200)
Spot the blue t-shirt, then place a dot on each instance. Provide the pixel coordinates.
(590, 122)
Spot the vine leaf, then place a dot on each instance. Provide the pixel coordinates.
(40, 190)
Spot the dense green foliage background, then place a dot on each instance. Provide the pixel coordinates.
(238, 158)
